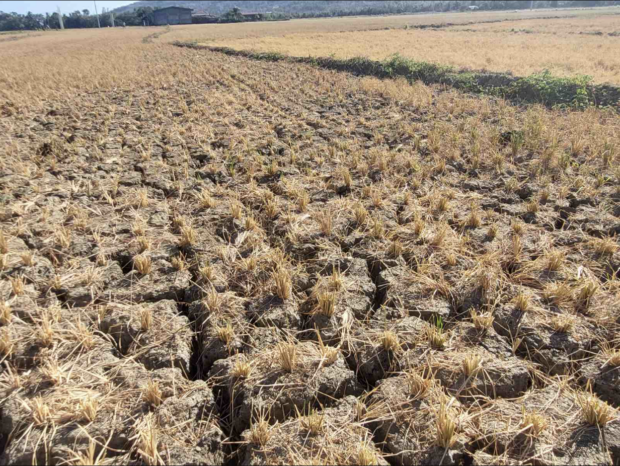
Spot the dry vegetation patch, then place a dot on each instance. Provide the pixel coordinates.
(515, 47)
(205, 258)
(282, 380)
(333, 435)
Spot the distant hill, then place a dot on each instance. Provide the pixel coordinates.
(218, 7)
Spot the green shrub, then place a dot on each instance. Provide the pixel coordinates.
(554, 91)
(397, 65)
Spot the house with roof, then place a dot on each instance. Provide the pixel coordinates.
(172, 15)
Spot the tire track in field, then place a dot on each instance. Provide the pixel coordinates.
(156, 35)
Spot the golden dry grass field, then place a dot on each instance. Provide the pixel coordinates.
(604, 22)
(211, 259)
(493, 46)
(520, 54)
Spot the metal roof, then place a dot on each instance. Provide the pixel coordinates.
(173, 8)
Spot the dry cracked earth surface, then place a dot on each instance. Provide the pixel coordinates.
(270, 263)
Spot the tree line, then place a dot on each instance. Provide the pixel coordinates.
(75, 20)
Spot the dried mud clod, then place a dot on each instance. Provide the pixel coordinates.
(408, 293)
(156, 335)
(277, 263)
(603, 372)
(381, 349)
(342, 295)
(103, 407)
(478, 364)
(332, 435)
(540, 422)
(283, 379)
(399, 403)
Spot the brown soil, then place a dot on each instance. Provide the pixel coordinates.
(258, 265)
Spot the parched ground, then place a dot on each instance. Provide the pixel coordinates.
(270, 263)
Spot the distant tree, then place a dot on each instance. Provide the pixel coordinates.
(232, 16)
(11, 21)
(32, 21)
(130, 18)
(105, 19)
(144, 14)
(75, 19)
(54, 21)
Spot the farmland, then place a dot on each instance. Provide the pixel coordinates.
(209, 258)
(520, 54)
(571, 45)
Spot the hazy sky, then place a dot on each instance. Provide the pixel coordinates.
(65, 7)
